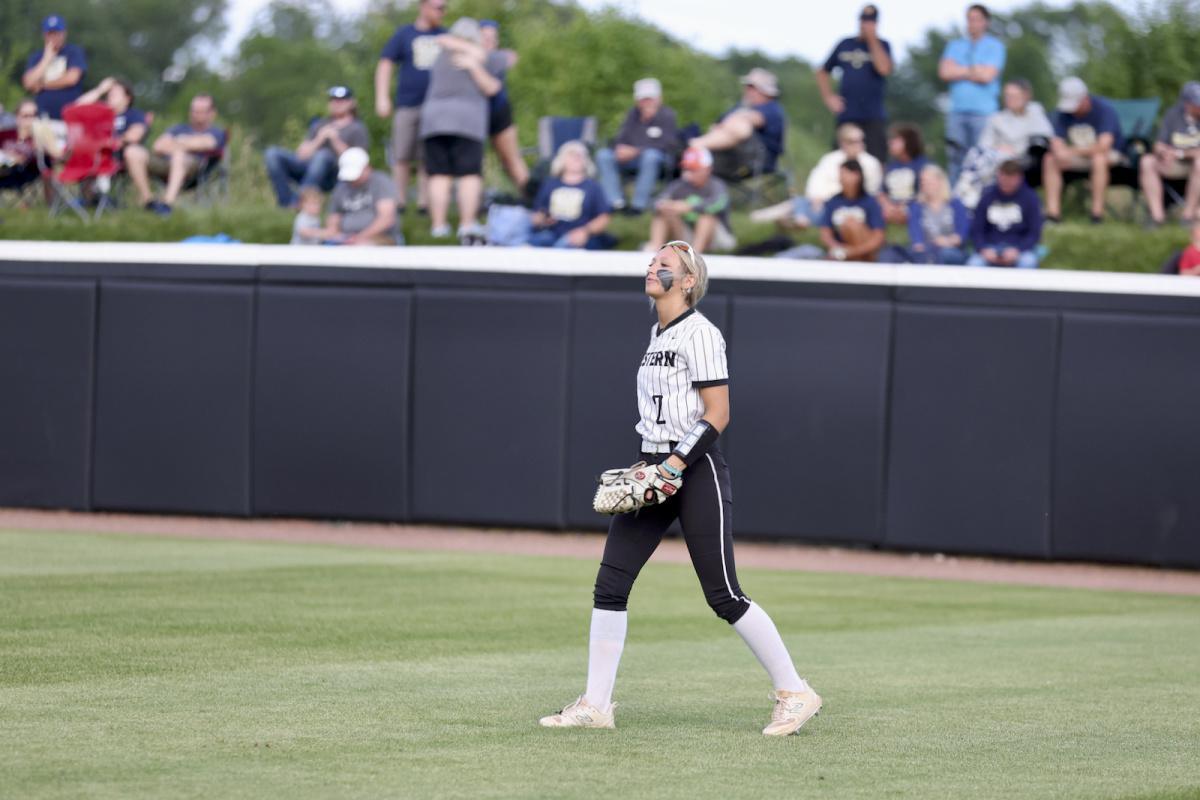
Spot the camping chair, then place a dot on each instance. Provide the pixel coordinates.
(1136, 118)
(89, 160)
(760, 185)
(554, 132)
(211, 183)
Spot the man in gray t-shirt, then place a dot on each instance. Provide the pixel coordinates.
(694, 207)
(645, 147)
(455, 104)
(454, 126)
(1175, 156)
(315, 162)
(362, 209)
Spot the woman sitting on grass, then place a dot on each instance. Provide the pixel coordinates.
(570, 209)
(938, 224)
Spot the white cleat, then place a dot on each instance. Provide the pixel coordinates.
(792, 710)
(581, 714)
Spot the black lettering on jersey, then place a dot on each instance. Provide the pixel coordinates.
(662, 358)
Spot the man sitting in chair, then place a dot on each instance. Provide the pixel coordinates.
(645, 142)
(180, 155)
(1087, 139)
(748, 138)
(1176, 155)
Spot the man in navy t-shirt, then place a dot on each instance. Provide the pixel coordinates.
(749, 137)
(1087, 139)
(54, 74)
(179, 155)
(413, 48)
(865, 61)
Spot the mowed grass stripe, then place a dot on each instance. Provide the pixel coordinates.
(169, 668)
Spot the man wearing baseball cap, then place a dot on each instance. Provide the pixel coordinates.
(694, 207)
(748, 138)
(54, 75)
(1176, 156)
(645, 143)
(1087, 140)
(362, 208)
(865, 62)
(314, 162)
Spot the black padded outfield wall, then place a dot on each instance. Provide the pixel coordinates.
(949, 410)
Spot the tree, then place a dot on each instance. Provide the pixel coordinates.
(278, 78)
(135, 39)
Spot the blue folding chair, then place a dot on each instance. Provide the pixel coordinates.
(554, 132)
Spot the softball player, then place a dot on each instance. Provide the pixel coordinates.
(683, 400)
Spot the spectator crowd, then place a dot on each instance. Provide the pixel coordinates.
(443, 91)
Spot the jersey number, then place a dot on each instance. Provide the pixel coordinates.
(658, 404)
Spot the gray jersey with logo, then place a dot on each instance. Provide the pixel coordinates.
(356, 204)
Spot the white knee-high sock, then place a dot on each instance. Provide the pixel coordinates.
(604, 654)
(759, 632)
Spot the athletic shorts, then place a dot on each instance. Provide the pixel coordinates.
(406, 138)
(1084, 164)
(501, 119)
(453, 155)
(160, 167)
(1178, 170)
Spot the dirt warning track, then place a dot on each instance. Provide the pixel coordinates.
(802, 558)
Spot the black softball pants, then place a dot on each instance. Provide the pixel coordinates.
(704, 507)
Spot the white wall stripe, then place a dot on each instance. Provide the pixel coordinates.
(533, 261)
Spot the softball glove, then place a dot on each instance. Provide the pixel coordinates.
(630, 488)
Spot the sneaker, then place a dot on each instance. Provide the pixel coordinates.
(792, 710)
(440, 232)
(1096, 219)
(472, 235)
(1054, 219)
(159, 207)
(581, 714)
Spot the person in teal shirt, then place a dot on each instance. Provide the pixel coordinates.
(972, 66)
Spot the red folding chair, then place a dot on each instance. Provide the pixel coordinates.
(90, 160)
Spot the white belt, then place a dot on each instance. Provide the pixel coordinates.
(656, 447)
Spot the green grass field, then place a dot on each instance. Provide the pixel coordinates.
(140, 667)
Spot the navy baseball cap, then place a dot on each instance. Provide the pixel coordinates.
(53, 23)
(341, 93)
(1190, 93)
(489, 23)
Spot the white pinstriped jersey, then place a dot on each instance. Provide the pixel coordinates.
(684, 357)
